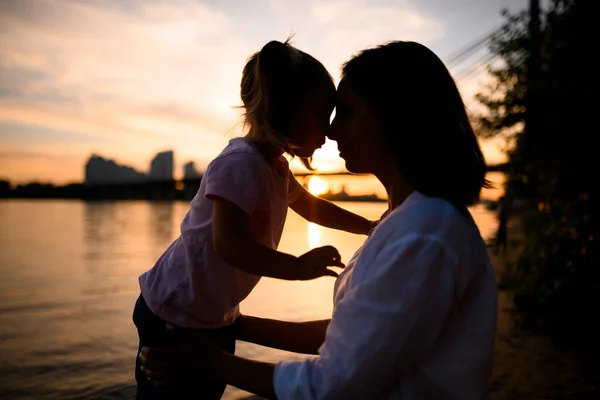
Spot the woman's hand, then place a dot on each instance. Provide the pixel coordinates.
(162, 365)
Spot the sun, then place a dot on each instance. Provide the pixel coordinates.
(317, 185)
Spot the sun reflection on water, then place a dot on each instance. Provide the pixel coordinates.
(314, 235)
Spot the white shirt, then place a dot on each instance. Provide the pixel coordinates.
(414, 314)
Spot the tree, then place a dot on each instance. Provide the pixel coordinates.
(556, 278)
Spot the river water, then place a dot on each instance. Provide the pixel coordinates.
(68, 282)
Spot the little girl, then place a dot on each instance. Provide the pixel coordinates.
(230, 235)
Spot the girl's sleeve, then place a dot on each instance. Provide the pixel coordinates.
(238, 178)
(295, 189)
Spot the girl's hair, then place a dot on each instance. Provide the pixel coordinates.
(423, 117)
(276, 82)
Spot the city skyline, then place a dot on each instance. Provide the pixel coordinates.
(100, 170)
(128, 79)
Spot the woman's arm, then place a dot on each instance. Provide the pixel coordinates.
(325, 213)
(255, 377)
(381, 328)
(252, 376)
(160, 366)
(297, 337)
(379, 331)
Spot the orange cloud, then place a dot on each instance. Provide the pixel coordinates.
(145, 76)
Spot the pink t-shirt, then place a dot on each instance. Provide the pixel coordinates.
(190, 285)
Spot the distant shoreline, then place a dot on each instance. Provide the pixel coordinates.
(90, 200)
(147, 191)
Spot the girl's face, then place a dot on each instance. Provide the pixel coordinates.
(311, 123)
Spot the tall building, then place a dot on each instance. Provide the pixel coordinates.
(101, 171)
(161, 167)
(190, 171)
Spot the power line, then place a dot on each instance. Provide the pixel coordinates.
(474, 68)
(471, 48)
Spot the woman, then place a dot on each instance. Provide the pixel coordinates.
(415, 309)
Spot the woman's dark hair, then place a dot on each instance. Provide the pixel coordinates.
(276, 82)
(423, 117)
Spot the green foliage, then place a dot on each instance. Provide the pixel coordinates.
(505, 97)
(556, 278)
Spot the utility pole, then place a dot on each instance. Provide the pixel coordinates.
(533, 135)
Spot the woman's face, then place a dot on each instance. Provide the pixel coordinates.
(357, 131)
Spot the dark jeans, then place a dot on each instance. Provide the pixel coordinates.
(152, 332)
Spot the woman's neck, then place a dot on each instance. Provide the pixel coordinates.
(396, 187)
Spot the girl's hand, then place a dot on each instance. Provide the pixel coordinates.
(373, 226)
(314, 263)
(375, 223)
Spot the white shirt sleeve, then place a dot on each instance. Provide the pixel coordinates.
(380, 328)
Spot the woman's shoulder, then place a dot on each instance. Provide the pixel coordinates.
(427, 215)
(427, 218)
(422, 222)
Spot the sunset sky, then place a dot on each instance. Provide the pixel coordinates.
(128, 78)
